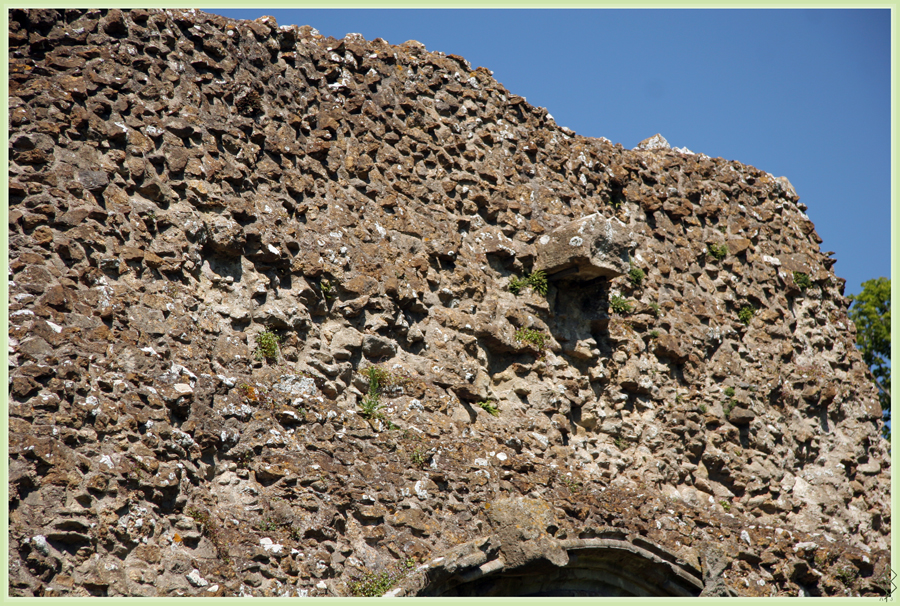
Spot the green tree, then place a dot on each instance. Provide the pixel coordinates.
(871, 312)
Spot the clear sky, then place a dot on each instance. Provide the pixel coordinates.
(803, 94)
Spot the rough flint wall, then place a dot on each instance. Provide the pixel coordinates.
(180, 183)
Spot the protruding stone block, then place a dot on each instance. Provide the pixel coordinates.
(590, 247)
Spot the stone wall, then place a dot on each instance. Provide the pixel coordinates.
(289, 312)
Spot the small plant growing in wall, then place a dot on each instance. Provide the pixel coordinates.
(745, 314)
(655, 307)
(327, 288)
(725, 505)
(802, 280)
(490, 408)
(243, 460)
(419, 457)
(201, 517)
(536, 280)
(571, 483)
(619, 305)
(703, 409)
(209, 529)
(516, 284)
(532, 337)
(370, 407)
(371, 403)
(847, 575)
(266, 346)
(731, 403)
(729, 407)
(636, 276)
(267, 524)
(378, 378)
(717, 251)
(376, 584)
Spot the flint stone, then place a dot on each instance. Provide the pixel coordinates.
(344, 342)
(671, 347)
(93, 180)
(183, 389)
(657, 141)
(375, 346)
(225, 236)
(587, 248)
(741, 416)
(195, 579)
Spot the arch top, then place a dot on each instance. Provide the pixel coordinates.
(598, 567)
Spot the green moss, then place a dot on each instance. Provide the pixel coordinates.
(745, 314)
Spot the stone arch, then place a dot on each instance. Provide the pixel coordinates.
(596, 567)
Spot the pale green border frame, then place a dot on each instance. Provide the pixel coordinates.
(350, 4)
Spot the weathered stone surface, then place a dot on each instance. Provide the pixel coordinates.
(263, 338)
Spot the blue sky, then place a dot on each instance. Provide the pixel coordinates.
(798, 93)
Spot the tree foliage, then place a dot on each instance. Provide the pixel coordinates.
(871, 312)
